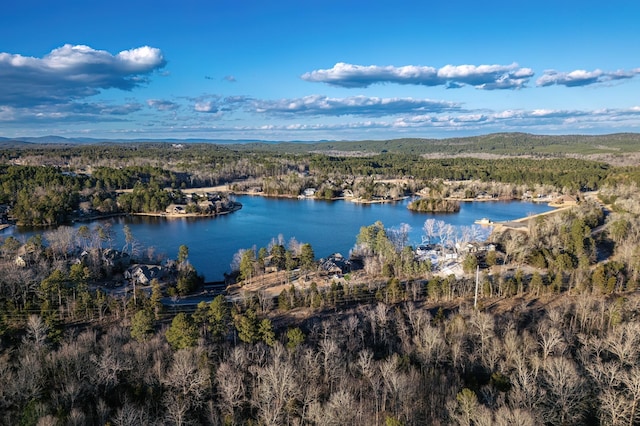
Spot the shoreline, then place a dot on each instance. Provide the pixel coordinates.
(166, 215)
(358, 200)
(525, 219)
(224, 188)
(521, 224)
(235, 208)
(363, 201)
(301, 197)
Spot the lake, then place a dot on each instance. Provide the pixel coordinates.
(329, 226)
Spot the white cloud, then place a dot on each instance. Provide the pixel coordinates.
(565, 121)
(412, 125)
(207, 106)
(69, 113)
(583, 77)
(486, 77)
(162, 105)
(7, 113)
(69, 73)
(348, 75)
(354, 105)
(141, 59)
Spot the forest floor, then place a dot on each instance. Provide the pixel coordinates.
(272, 284)
(526, 306)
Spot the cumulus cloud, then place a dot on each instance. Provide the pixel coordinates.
(505, 120)
(519, 120)
(320, 105)
(162, 105)
(539, 118)
(237, 100)
(102, 108)
(461, 122)
(79, 112)
(488, 77)
(206, 106)
(218, 105)
(583, 77)
(69, 73)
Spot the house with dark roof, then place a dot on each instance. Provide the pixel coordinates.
(143, 274)
(335, 264)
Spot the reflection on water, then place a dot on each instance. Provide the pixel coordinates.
(328, 226)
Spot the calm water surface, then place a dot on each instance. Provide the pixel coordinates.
(328, 226)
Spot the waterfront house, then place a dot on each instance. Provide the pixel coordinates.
(335, 264)
(175, 209)
(143, 274)
(565, 200)
(115, 259)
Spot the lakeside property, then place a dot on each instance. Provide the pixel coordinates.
(329, 226)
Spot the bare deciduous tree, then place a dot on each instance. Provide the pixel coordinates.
(36, 331)
(341, 409)
(623, 342)
(129, 415)
(551, 341)
(231, 388)
(614, 408)
(430, 345)
(275, 388)
(565, 392)
(188, 378)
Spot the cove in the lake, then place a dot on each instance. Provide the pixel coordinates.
(329, 226)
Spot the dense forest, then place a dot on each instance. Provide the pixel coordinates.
(552, 339)
(49, 185)
(433, 205)
(509, 144)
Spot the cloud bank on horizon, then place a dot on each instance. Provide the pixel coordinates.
(276, 82)
(488, 77)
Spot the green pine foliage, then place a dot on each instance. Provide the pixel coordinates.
(142, 325)
(434, 205)
(182, 333)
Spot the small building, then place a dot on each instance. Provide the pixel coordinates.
(207, 206)
(309, 192)
(565, 200)
(143, 274)
(476, 247)
(424, 249)
(484, 195)
(175, 209)
(114, 258)
(335, 264)
(20, 262)
(483, 222)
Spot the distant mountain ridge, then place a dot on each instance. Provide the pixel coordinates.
(619, 148)
(52, 139)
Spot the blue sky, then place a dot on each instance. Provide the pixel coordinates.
(306, 70)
